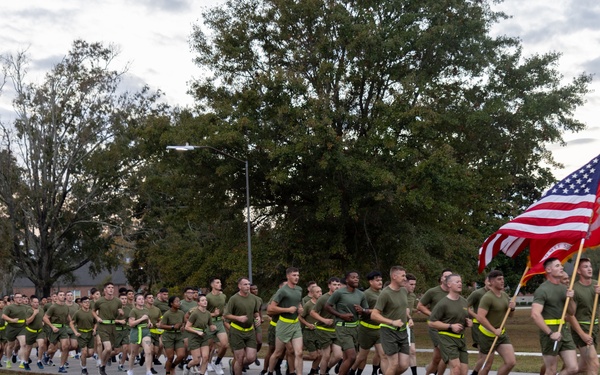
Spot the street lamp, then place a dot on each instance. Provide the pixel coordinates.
(188, 147)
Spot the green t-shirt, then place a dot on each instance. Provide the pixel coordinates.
(58, 314)
(584, 299)
(83, 319)
(38, 321)
(433, 296)
(288, 297)
(171, 318)
(307, 308)
(124, 316)
(371, 295)
(216, 302)
(73, 309)
(239, 305)
(393, 303)
(162, 306)
(475, 297)
(16, 311)
(187, 305)
(495, 306)
(450, 312)
(320, 309)
(343, 302)
(107, 309)
(412, 302)
(200, 319)
(154, 314)
(552, 297)
(136, 314)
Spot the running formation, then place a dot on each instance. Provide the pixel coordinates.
(334, 329)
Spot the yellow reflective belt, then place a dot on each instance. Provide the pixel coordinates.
(33, 330)
(325, 329)
(239, 328)
(198, 329)
(394, 328)
(372, 326)
(456, 336)
(157, 331)
(489, 333)
(273, 323)
(475, 321)
(57, 325)
(108, 322)
(347, 324)
(2, 328)
(84, 330)
(289, 321)
(554, 322)
(588, 322)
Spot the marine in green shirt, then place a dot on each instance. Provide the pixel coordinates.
(450, 317)
(546, 311)
(492, 309)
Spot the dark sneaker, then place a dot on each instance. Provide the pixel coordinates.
(152, 370)
(40, 365)
(84, 371)
(156, 362)
(62, 370)
(14, 358)
(102, 370)
(26, 367)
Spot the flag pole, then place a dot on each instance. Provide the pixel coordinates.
(594, 309)
(514, 298)
(564, 313)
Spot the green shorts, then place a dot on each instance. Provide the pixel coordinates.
(14, 330)
(156, 338)
(547, 344)
(172, 340)
(3, 334)
(475, 335)
(70, 333)
(394, 341)
(434, 336)
(453, 348)
(286, 332)
(137, 334)
(86, 340)
(61, 334)
(486, 341)
(220, 330)
(586, 328)
(197, 341)
(368, 337)
(32, 337)
(122, 336)
(347, 337)
(239, 340)
(326, 336)
(107, 333)
(310, 340)
(271, 334)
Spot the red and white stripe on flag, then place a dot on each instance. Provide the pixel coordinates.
(568, 212)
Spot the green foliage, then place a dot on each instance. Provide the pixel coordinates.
(64, 163)
(378, 133)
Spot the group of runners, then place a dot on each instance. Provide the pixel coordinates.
(335, 329)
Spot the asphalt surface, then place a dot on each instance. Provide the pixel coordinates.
(75, 368)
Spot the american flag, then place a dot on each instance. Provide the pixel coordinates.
(567, 212)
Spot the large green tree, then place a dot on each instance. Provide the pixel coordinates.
(378, 132)
(64, 162)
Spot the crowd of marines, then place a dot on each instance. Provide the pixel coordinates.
(335, 329)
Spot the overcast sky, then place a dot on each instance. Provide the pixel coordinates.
(153, 37)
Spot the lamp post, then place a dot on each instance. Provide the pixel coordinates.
(188, 147)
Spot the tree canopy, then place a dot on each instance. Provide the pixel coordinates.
(64, 162)
(378, 133)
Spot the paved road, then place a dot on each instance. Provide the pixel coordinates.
(75, 368)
